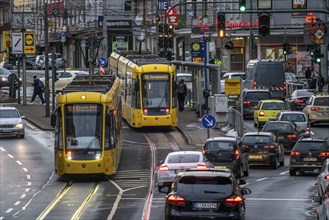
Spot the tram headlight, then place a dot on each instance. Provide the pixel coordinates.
(98, 156)
(69, 155)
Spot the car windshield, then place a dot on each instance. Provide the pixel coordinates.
(306, 146)
(323, 101)
(183, 158)
(4, 72)
(204, 185)
(259, 139)
(301, 93)
(273, 106)
(9, 114)
(293, 117)
(220, 146)
(279, 127)
(258, 95)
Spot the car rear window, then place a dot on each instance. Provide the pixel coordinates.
(220, 145)
(273, 106)
(259, 139)
(306, 146)
(201, 185)
(270, 72)
(258, 95)
(9, 114)
(302, 93)
(324, 101)
(279, 127)
(293, 117)
(183, 158)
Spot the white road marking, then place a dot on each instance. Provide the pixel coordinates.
(23, 196)
(17, 203)
(262, 179)
(275, 199)
(29, 183)
(28, 177)
(2, 218)
(19, 162)
(9, 210)
(2, 149)
(284, 172)
(27, 189)
(11, 156)
(25, 169)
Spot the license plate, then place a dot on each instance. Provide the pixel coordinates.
(280, 137)
(325, 113)
(221, 167)
(310, 159)
(203, 205)
(177, 171)
(255, 157)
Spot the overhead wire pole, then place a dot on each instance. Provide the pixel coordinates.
(47, 95)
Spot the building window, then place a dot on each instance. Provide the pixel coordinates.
(264, 4)
(299, 4)
(127, 6)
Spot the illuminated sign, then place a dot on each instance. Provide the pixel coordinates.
(316, 33)
(81, 108)
(149, 76)
(241, 24)
(310, 18)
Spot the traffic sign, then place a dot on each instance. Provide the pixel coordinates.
(29, 42)
(17, 39)
(101, 61)
(208, 121)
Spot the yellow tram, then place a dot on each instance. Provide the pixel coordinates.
(87, 122)
(148, 88)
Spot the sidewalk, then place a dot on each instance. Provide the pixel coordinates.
(188, 124)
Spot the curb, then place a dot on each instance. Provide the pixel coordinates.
(187, 139)
(38, 126)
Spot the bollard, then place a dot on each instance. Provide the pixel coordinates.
(13, 79)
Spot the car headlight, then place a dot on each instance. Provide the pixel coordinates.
(4, 79)
(19, 125)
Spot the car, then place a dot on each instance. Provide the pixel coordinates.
(317, 109)
(322, 180)
(39, 62)
(4, 82)
(298, 99)
(322, 212)
(227, 152)
(297, 117)
(63, 78)
(206, 194)
(176, 161)
(230, 75)
(308, 154)
(6, 65)
(250, 99)
(263, 149)
(11, 123)
(29, 61)
(266, 110)
(287, 133)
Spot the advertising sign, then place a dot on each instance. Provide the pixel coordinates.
(197, 52)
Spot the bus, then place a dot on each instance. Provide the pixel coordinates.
(148, 88)
(87, 122)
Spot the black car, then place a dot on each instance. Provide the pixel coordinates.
(4, 74)
(298, 99)
(227, 152)
(287, 132)
(206, 194)
(308, 155)
(263, 149)
(251, 97)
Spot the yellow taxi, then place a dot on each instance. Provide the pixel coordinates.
(266, 110)
(317, 109)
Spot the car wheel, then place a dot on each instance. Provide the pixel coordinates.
(275, 163)
(22, 136)
(240, 173)
(292, 172)
(282, 162)
(246, 173)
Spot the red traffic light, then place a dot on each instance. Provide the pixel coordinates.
(264, 24)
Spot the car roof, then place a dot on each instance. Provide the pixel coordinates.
(279, 122)
(184, 74)
(258, 133)
(185, 152)
(211, 172)
(221, 139)
(271, 100)
(312, 139)
(321, 96)
(256, 90)
(7, 108)
(234, 73)
(291, 112)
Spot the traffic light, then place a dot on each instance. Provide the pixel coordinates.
(316, 58)
(170, 36)
(286, 48)
(264, 24)
(161, 35)
(242, 5)
(221, 25)
(229, 45)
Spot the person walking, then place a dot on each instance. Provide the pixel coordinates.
(38, 88)
(181, 94)
(308, 73)
(313, 82)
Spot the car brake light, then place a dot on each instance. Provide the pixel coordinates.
(284, 86)
(308, 129)
(295, 153)
(270, 146)
(236, 154)
(246, 102)
(163, 168)
(292, 136)
(245, 146)
(233, 200)
(315, 108)
(261, 113)
(254, 85)
(299, 100)
(203, 152)
(201, 166)
(326, 177)
(324, 154)
(176, 200)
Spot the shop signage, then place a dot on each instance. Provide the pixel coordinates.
(119, 24)
(316, 33)
(241, 24)
(163, 5)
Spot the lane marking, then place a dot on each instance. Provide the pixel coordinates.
(23, 196)
(17, 203)
(29, 183)
(262, 179)
(2, 218)
(19, 162)
(9, 210)
(27, 189)
(25, 169)
(275, 199)
(11, 156)
(284, 172)
(28, 177)
(2, 149)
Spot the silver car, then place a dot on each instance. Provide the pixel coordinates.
(178, 161)
(297, 117)
(11, 123)
(323, 178)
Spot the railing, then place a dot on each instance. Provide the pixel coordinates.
(235, 120)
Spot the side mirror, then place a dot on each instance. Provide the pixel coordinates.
(245, 191)
(164, 189)
(242, 182)
(317, 198)
(53, 119)
(23, 117)
(160, 162)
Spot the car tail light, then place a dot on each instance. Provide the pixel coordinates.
(295, 153)
(233, 200)
(315, 108)
(324, 154)
(201, 166)
(299, 100)
(145, 111)
(261, 113)
(236, 154)
(254, 85)
(245, 146)
(203, 152)
(284, 86)
(292, 136)
(176, 200)
(308, 129)
(270, 146)
(326, 177)
(246, 102)
(163, 168)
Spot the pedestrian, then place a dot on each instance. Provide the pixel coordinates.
(38, 88)
(312, 84)
(181, 94)
(308, 73)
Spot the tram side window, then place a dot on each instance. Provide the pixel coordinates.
(58, 131)
(135, 93)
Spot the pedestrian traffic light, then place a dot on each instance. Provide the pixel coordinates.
(221, 25)
(264, 24)
(242, 5)
(286, 48)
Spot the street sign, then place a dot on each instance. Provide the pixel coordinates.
(101, 61)
(29, 42)
(17, 39)
(163, 5)
(208, 121)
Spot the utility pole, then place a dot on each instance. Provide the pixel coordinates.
(46, 61)
(251, 37)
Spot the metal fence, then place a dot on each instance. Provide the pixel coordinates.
(235, 120)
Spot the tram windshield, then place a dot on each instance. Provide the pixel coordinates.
(83, 126)
(155, 92)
